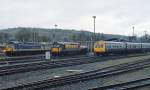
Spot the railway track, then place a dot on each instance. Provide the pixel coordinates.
(45, 64)
(41, 57)
(100, 73)
(126, 85)
(33, 58)
(16, 68)
(22, 57)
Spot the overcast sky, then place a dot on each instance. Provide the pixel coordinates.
(112, 16)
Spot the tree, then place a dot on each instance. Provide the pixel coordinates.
(82, 36)
(74, 37)
(102, 37)
(23, 35)
(4, 37)
(44, 38)
(35, 36)
(145, 39)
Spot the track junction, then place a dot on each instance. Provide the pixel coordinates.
(37, 64)
(100, 73)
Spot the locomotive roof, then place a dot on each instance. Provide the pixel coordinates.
(66, 43)
(2, 45)
(123, 42)
(110, 42)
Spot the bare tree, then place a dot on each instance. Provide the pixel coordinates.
(23, 35)
(4, 37)
(44, 38)
(35, 36)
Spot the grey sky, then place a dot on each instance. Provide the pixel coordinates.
(113, 16)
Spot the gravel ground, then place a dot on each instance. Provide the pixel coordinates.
(10, 80)
(139, 74)
(144, 88)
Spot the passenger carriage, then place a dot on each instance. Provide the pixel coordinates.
(110, 47)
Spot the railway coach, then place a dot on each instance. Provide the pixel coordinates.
(110, 47)
(107, 47)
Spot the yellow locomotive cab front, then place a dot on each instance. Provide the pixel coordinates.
(56, 50)
(100, 50)
(7, 49)
(99, 47)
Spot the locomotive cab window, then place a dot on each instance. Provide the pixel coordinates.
(101, 46)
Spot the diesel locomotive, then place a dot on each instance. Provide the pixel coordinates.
(110, 47)
(19, 49)
(68, 48)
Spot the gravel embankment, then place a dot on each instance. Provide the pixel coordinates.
(9, 80)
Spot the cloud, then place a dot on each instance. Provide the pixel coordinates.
(113, 16)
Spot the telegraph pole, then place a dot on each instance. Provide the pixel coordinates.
(94, 38)
(94, 17)
(133, 31)
(133, 36)
(55, 26)
(54, 34)
(145, 34)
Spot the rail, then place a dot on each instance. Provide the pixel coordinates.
(45, 64)
(126, 85)
(108, 71)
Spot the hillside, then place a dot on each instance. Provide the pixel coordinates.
(56, 34)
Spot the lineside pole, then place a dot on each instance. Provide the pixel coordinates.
(94, 38)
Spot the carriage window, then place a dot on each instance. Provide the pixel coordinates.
(129, 46)
(114, 46)
(101, 46)
(96, 45)
(109, 46)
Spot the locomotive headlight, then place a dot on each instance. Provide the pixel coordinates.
(4, 50)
